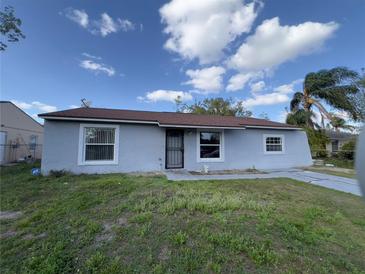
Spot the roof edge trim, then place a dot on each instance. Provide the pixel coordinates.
(272, 127)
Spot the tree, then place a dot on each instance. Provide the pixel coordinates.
(9, 27)
(300, 118)
(358, 99)
(216, 106)
(335, 87)
(338, 123)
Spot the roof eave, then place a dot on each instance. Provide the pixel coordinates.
(273, 127)
(47, 117)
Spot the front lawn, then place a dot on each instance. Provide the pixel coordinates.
(121, 224)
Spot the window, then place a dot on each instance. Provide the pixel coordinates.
(334, 145)
(210, 146)
(98, 144)
(32, 142)
(273, 144)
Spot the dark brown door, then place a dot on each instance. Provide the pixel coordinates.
(174, 148)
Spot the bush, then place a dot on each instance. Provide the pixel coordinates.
(347, 151)
(317, 140)
(58, 173)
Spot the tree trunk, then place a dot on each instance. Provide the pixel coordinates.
(307, 106)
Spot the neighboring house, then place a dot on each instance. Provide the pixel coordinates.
(21, 136)
(337, 140)
(96, 140)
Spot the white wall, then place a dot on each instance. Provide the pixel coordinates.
(142, 148)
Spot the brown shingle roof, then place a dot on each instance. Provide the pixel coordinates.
(162, 118)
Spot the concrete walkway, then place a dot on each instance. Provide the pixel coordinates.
(320, 179)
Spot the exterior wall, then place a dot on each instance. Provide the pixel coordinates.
(142, 148)
(245, 149)
(18, 128)
(341, 142)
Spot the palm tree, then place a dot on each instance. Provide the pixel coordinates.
(338, 123)
(335, 87)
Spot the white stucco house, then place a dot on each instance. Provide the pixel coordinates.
(98, 140)
(337, 139)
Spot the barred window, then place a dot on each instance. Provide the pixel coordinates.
(273, 144)
(99, 144)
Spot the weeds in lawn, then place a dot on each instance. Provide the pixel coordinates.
(142, 217)
(139, 224)
(144, 229)
(179, 238)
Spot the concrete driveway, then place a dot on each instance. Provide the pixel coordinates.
(329, 181)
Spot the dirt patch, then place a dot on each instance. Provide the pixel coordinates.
(6, 215)
(107, 234)
(8, 234)
(122, 221)
(32, 236)
(164, 254)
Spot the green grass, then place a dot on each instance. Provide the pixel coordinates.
(123, 224)
(333, 172)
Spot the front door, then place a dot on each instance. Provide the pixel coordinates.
(174, 148)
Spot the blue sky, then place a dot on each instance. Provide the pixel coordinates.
(142, 54)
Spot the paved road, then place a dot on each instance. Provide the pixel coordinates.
(315, 178)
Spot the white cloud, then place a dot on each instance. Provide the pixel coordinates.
(239, 81)
(203, 29)
(266, 99)
(22, 105)
(273, 44)
(282, 116)
(258, 86)
(43, 107)
(280, 95)
(78, 16)
(208, 80)
(91, 56)
(288, 88)
(97, 67)
(104, 26)
(73, 106)
(35, 105)
(107, 25)
(165, 95)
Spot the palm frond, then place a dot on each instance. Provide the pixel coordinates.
(296, 101)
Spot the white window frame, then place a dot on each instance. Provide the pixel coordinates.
(82, 146)
(221, 146)
(276, 136)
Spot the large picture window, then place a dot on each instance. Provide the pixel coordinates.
(98, 144)
(210, 146)
(274, 144)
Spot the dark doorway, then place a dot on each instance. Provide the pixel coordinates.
(174, 148)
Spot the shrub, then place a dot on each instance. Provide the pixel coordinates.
(347, 151)
(58, 173)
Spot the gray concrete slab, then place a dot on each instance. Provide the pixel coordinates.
(325, 180)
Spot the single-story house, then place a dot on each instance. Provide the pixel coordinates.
(21, 136)
(337, 139)
(98, 140)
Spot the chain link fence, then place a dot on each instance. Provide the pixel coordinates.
(11, 153)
